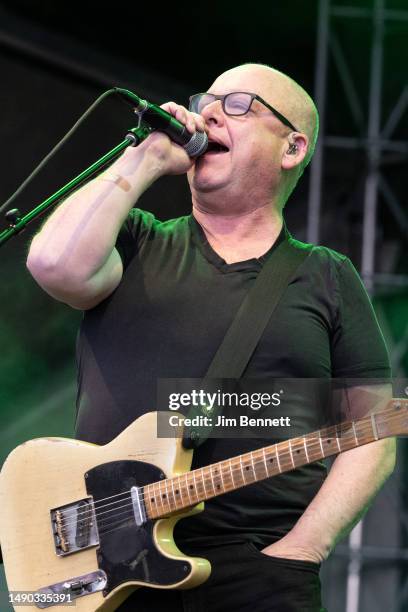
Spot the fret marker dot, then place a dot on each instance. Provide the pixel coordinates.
(164, 495)
(177, 491)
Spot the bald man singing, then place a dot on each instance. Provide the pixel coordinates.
(158, 298)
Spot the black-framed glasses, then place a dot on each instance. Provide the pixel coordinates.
(234, 103)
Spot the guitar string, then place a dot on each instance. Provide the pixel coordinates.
(122, 520)
(207, 479)
(121, 525)
(127, 493)
(309, 437)
(107, 522)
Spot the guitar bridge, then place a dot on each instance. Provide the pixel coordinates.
(74, 527)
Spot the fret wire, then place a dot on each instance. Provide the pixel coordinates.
(195, 484)
(167, 493)
(212, 479)
(321, 446)
(204, 480)
(338, 439)
(157, 498)
(173, 493)
(252, 463)
(242, 469)
(355, 433)
(291, 454)
(160, 497)
(172, 489)
(305, 445)
(154, 495)
(188, 490)
(277, 459)
(364, 422)
(180, 488)
(222, 478)
(149, 499)
(264, 460)
(196, 478)
(168, 497)
(366, 431)
(374, 426)
(232, 476)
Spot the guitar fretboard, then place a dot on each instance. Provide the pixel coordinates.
(174, 494)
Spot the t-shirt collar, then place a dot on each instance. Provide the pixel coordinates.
(255, 263)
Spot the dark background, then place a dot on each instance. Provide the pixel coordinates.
(57, 58)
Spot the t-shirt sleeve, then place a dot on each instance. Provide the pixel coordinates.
(358, 347)
(134, 231)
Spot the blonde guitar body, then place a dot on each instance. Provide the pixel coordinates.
(94, 523)
(48, 474)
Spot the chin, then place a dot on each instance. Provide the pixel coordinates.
(204, 183)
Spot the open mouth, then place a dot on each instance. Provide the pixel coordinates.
(215, 148)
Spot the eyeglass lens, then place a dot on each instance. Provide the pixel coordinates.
(236, 103)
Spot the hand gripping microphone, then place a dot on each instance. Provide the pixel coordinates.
(158, 119)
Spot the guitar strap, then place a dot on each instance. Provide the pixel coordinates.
(244, 333)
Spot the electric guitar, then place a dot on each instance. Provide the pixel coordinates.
(90, 524)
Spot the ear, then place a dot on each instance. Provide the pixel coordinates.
(295, 149)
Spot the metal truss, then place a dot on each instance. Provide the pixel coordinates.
(371, 137)
(376, 140)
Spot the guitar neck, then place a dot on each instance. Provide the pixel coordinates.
(173, 494)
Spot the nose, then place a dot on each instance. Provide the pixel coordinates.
(213, 113)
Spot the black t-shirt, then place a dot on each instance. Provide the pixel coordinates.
(167, 318)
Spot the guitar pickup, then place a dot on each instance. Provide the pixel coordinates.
(74, 527)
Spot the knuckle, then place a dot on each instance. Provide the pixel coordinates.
(171, 107)
(167, 105)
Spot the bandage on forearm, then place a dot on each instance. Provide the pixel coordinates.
(117, 179)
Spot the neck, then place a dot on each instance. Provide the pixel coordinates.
(243, 235)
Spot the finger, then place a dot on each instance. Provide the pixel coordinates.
(181, 114)
(200, 122)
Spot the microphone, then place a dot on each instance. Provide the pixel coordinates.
(158, 119)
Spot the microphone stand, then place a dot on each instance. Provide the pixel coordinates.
(17, 223)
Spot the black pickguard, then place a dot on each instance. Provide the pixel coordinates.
(127, 552)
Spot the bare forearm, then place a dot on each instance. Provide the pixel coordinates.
(74, 257)
(352, 483)
(79, 236)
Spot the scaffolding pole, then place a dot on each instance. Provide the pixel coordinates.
(374, 142)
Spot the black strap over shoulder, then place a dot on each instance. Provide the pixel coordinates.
(245, 331)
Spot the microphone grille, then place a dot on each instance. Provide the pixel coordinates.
(197, 145)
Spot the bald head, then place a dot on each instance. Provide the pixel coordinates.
(283, 93)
